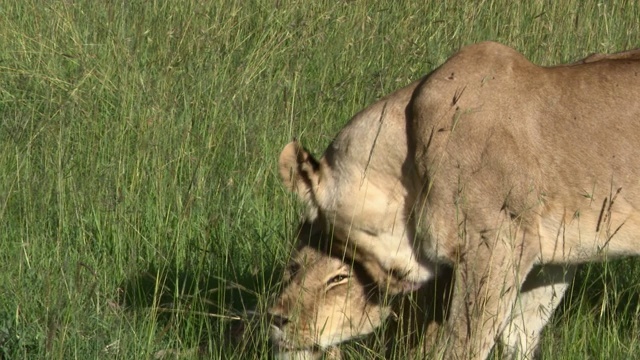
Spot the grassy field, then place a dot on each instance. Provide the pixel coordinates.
(140, 208)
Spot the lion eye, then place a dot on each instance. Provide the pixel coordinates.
(337, 279)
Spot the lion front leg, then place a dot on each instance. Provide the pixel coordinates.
(540, 295)
(488, 279)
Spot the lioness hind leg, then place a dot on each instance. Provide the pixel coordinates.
(540, 295)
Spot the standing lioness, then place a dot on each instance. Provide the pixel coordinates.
(490, 164)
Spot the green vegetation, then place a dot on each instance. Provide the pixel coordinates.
(140, 209)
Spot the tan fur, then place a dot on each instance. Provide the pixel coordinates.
(492, 165)
(325, 300)
(623, 55)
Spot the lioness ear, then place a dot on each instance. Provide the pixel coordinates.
(298, 169)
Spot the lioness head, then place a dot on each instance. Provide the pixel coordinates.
(364, 210)
(325, 300)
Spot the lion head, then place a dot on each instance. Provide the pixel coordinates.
(325, 300)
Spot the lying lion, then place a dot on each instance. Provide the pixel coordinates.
(490, 165)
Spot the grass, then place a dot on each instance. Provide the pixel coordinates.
(140, 209)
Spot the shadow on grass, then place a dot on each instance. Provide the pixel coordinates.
(606, 291)
(177, 297)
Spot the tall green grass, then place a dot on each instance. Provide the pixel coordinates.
(140, 210)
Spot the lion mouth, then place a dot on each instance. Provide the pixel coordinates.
(286, 347)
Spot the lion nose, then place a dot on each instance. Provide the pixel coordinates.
(278, 320)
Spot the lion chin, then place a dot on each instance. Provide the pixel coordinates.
(332, 353)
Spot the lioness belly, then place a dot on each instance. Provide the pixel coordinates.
(607, 227)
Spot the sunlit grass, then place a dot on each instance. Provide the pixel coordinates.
(140, 210)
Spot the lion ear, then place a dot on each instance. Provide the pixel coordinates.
(299, 170)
